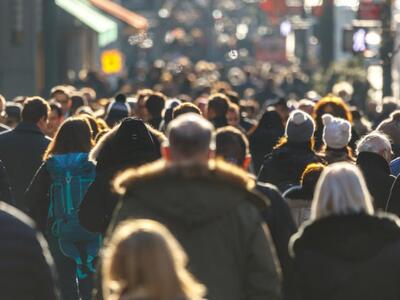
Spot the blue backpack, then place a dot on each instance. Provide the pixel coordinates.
(71, 175)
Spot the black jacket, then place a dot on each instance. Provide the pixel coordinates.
(114, 153)
(26, 267)
(213, 213)
(21, 151)
(346, 258)
(285, 165)
(5, 188)
(280, 222)
(393, 204)
(377, 175)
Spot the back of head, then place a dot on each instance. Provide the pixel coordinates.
(311, 174)
(117, 110)
(34, 110)
(190, 136)
(299, 127)
(375, 142)
(218, 105)
(143, 256)
(341, 190)
(155, 104)
(232, 145)
(391, 127)
(337, 132)
(185, 108)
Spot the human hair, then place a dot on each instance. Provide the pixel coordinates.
(155, 104)
(374, 142)
(74, 135)
(341, 190)
(56, 107)
(219, 104)
(337, 107)
(59, 89)
(233, 96)
(35, 108)
(143, 93)
(232, 145)
(142, 256)
(185, 108)
(311, 174)
(190, 135)
(233, 107)
(77, 100)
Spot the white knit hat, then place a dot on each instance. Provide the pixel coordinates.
(337, 132)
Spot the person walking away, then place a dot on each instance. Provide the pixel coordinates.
(54, 197)
(210, 207)
(285, 164)
(143, 261)
(346, 244)
(22, 148)
(374, 155)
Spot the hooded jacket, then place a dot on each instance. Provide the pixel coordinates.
(213, 213)
(129, 145)
(347, 257)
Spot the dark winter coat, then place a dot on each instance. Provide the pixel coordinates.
(377, 175)
(26, 267)
(299, 199)
(5, 187)
(331, 155)
(213, 213)
(346, 258)
(285, 165)
(114, 153)
(21, 151)
(267, 134)
(280, 222)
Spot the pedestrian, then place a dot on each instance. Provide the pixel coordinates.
(345, 244)
(299, 197)
(56, 118)
(22, 148)
(155, 104)
(117, 110)
(131, 144)
(336, 137)
(391, 127)
(211, 209)
(233, 146)
(266, 135)
(285, 164)
(54, 197)
(143, 261)
(374, 155)
(27, 271)
(218, 106)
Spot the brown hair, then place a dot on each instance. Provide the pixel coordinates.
(232, 145)
(74, 135)
(311, 174)
(340, 109)
(143, 257)
(34, 109)
(185, 108)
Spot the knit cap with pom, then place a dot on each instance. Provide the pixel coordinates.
(337, 132)
(299, 127)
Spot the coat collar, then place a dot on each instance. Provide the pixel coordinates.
(28, 127)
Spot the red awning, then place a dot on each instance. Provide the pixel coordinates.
(129, 17)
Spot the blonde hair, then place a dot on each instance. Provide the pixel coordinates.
(143, 256)
(341, 190)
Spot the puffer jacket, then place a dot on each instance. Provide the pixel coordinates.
(215, 214)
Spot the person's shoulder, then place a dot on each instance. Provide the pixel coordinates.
(15, 219)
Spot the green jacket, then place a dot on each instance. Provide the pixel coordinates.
(215, 215)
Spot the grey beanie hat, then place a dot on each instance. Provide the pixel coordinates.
(299, 127)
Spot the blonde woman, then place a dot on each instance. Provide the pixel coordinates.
(345, 251)
(144, 261)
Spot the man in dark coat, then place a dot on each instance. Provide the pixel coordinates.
(211, 208)
(393, 204)
(22, 148)
(26, 266)
(374, 155)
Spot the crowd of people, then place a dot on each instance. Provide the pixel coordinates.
(171, 193)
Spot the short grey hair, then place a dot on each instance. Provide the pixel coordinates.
(375, 142)
(190, 134)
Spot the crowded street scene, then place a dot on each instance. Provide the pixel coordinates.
(199, 150)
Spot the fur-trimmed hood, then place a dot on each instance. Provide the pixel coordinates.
(192, 193)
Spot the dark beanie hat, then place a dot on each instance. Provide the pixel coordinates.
(117, 110)
(299, 127)
(132, 145)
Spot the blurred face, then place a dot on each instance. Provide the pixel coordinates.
(63, 100)
(141, 110)
(54, 123)
(233, 118)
